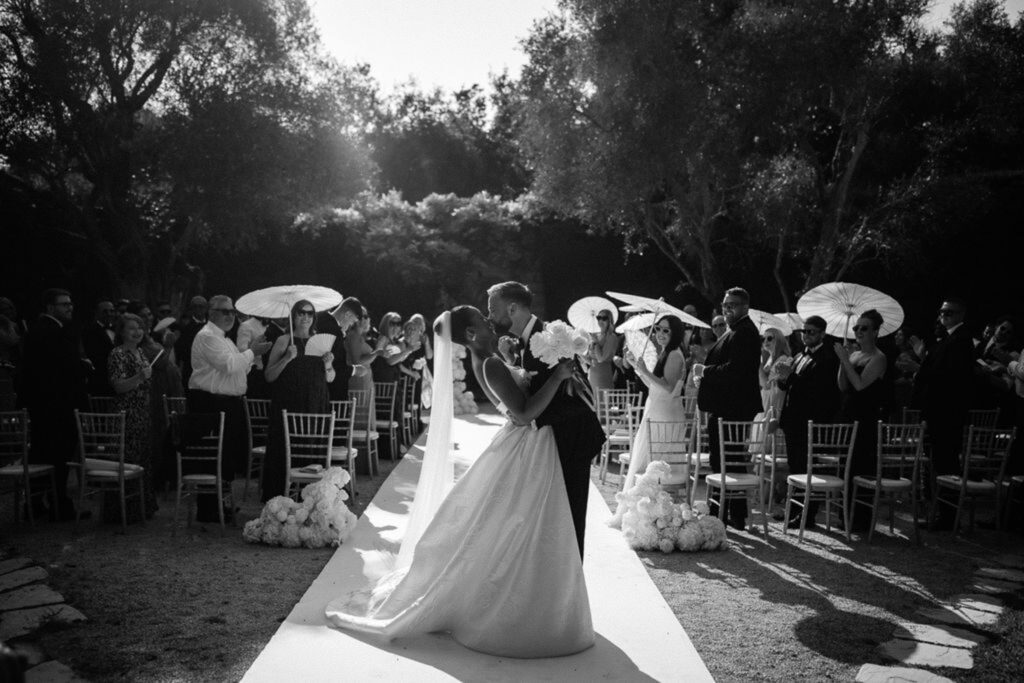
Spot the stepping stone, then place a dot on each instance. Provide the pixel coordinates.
(960, 616)
(873, 673)
(1013, 561)
(29, 596)
(34, 655)
(982, 603)
(52, 672)
(21, 577)
(994, 586)
(7, 566)
(1001, 573)
(939, 635)
(25, 621)
(927, 654)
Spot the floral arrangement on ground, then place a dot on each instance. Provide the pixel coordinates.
(321, 519)
(651, 520)
(465, 401)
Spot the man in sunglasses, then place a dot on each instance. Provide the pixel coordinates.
(728, 386)
(812, 393)
(943, 387)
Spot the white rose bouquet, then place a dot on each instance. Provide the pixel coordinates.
(560, 341)
(321, 519)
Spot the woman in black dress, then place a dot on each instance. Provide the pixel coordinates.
(863, 397)
(298, 383)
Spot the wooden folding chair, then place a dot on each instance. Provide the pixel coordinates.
(15, 467)
(829, 452)
(897, 472)
(751, 439)
(364, 434)
(199, 445)
(101, 465)
(343, 452)
(983, 476)
(308, 439)
(385, 396)
(257, 421)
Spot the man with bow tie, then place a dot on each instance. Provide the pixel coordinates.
(812, 393)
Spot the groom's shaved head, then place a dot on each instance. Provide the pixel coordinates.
(512, 292)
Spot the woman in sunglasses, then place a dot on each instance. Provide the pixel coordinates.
(298, 384)
(774, 351)
(604, 344)
(665, 382)
(860, 382)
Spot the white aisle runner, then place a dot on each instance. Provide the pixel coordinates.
(638, 637)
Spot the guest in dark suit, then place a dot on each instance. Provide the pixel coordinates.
(338, 322)
(943, 387)
(198, 308)
(98, 342)
(728, 385)
(812, 393)
(578, 433)
(54, 385)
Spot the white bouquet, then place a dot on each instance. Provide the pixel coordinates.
(558, 341)
(321, 519)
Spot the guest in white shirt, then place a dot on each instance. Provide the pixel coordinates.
(218, 383)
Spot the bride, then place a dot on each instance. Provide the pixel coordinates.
(493, 561)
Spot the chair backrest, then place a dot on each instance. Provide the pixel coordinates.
(689, 407)
(344, 422)
(257, 420)
(741, 437)
(983, 418)
(408, 391)
(174, 404)
(14, 438)
(987, 452)
(100, 436)
(384, 394)
(911, 416)
(900, 448)
(308, 438)
(670, 441)
(830, 448)
(616, 409)
(198, 437)
(362, 401)
(101, 404)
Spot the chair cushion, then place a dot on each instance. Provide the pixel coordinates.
(952, 481)
(130, 471)
(818, 481)
(199, 478)
(343, 453)
(361, 434)
(885, 484)
(17, 470)
(620, 437)
(735, 480)
(296, 474)
(259, 450)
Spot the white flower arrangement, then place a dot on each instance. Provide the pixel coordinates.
(464, 401)
(652, 521)
(558, 341)
(321, 519)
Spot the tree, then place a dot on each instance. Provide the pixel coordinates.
(163, 123)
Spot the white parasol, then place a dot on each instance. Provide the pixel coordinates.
(794, 320)
(841, 303)
(638, 322)
(583, 313)
(277, 302)
(659, 307)
(638, 344)
(765, 320)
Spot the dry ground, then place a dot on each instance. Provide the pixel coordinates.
(199, 606)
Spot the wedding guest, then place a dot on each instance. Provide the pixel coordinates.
(414, 363)
(944, 386)
(197, 314)
(253, 329)
(718, 326)
(774, 352)
(811, 394)
(122, 306)
(298, 384)
(1015, 369)
(993, 385)
(218, 383)
(54, 385)
(98, 341)
(361, 355)
(420, 323)
(341, 322)
(387, 366)
(905, 365)
(861, 383)
(728, 387)
(130, 376)
(164, 310)
(603, 346)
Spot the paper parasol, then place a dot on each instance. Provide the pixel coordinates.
(658, 306)
(765, 320)
(841, 303)
(794, 320)
(583, 313)
(277, 302)
(642, 348)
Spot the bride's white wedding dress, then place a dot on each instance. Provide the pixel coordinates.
(498, 565)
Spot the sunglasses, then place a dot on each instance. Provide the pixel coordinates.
(810, 330)
(307, 313)
(665, 330)
(769, 338)
(225, 311)
(718, 325)
(862, 328)
(604, 318)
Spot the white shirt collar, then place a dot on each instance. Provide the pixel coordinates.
(214, 329)
(59, 323)
(529, 328)
(953, 329)
(812, 349)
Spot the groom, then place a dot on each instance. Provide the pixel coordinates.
(578, 433)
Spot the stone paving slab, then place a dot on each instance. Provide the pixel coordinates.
(927, 654)
(52, 672)
(22, 577)
(7, 566)
(960, 616)
(874, 673)
(1001, 573)
(983, 603)
(994, 586)
(939, 635)
(29, 596)
(25, 621)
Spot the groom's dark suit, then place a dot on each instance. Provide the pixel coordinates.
(578, 435)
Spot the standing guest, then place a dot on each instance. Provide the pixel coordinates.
(415, 341)
(163, 310)
(861, 382)
(166, 381)
(130, 376)
(122, 306)
(360, 356)
(197, 313)
(993, 384)
(340, 322)
(218, 383)
(387, 367)
(812, 394)
(251, 330)
(728, 386)
(664, 381)
(718, 326)
(298, 384)
(98, 342)
(603, 346)
(426, 352)
(10, 311)
(943, 387)
(774, 354)
(54, 385)
(905, 365)
(1015, 369)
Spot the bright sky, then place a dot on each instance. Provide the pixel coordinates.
(451, 43)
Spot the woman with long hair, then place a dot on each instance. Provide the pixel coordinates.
(664, 382)
(603, 347)
(774, 350)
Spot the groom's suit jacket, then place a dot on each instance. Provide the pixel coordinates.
(730, 388)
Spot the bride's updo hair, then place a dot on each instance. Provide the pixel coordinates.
(462, 318)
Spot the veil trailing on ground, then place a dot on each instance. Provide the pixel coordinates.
(438, 472)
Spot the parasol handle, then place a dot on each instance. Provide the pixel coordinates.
(650, 335)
